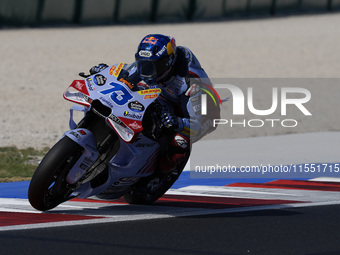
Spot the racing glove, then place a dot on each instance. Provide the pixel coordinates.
(98, 68)
(171, 122)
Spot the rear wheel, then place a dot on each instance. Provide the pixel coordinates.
(149, 189)
(48, 187)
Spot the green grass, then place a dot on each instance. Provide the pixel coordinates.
(19, 164)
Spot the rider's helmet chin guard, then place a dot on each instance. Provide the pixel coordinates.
(155, 57)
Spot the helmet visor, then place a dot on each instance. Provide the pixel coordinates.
(146, 68)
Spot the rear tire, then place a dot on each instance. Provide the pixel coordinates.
(141, 194)
(48, 187)
(147, 190)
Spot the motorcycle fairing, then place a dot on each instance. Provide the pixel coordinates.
(80, 95)
(136, 156)
(126, 167)
(118, 97)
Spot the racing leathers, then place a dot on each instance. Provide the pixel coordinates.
(180, 98)
(181, 102)
(181, 95)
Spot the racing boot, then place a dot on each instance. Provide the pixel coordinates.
(176, 154)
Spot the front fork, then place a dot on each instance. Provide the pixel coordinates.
(85, 139)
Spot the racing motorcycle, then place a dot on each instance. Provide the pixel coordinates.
(112, 152)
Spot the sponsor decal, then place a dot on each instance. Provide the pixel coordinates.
(99, 79)
(195, 100)
(180, 141)
(135, 126)
(112, 69)
(119, 69)
(115, 189)
(178, 82)
(132, 115)
(128, 179)
(150, 96)
(90, 84)
(88, 161)
(79, 85)
(106, 102)
(136, 106)
(81, 97)
(76, 135)
(126, 83)
(145, 53)
(82, 166)
(159, 53)
(150, 39)
(142, 145)
(149, 91)
(82, 132)
(197, 108)
(117, 120)
(86, 98)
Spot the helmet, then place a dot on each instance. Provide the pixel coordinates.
(155, 57)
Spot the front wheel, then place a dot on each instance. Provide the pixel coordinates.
(48, 187)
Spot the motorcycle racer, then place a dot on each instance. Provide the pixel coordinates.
(179, 75)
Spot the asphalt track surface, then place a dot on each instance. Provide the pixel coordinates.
(308, 230)
(197, 216)
(241, 223)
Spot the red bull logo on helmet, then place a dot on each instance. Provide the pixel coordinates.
(171, 46)
(150, 39)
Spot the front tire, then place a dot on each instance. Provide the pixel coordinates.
(48, 187)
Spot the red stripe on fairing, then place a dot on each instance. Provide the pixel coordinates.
(151, 165)
(203, 202)
(19, 218)
(149, 161)
(291, 184)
